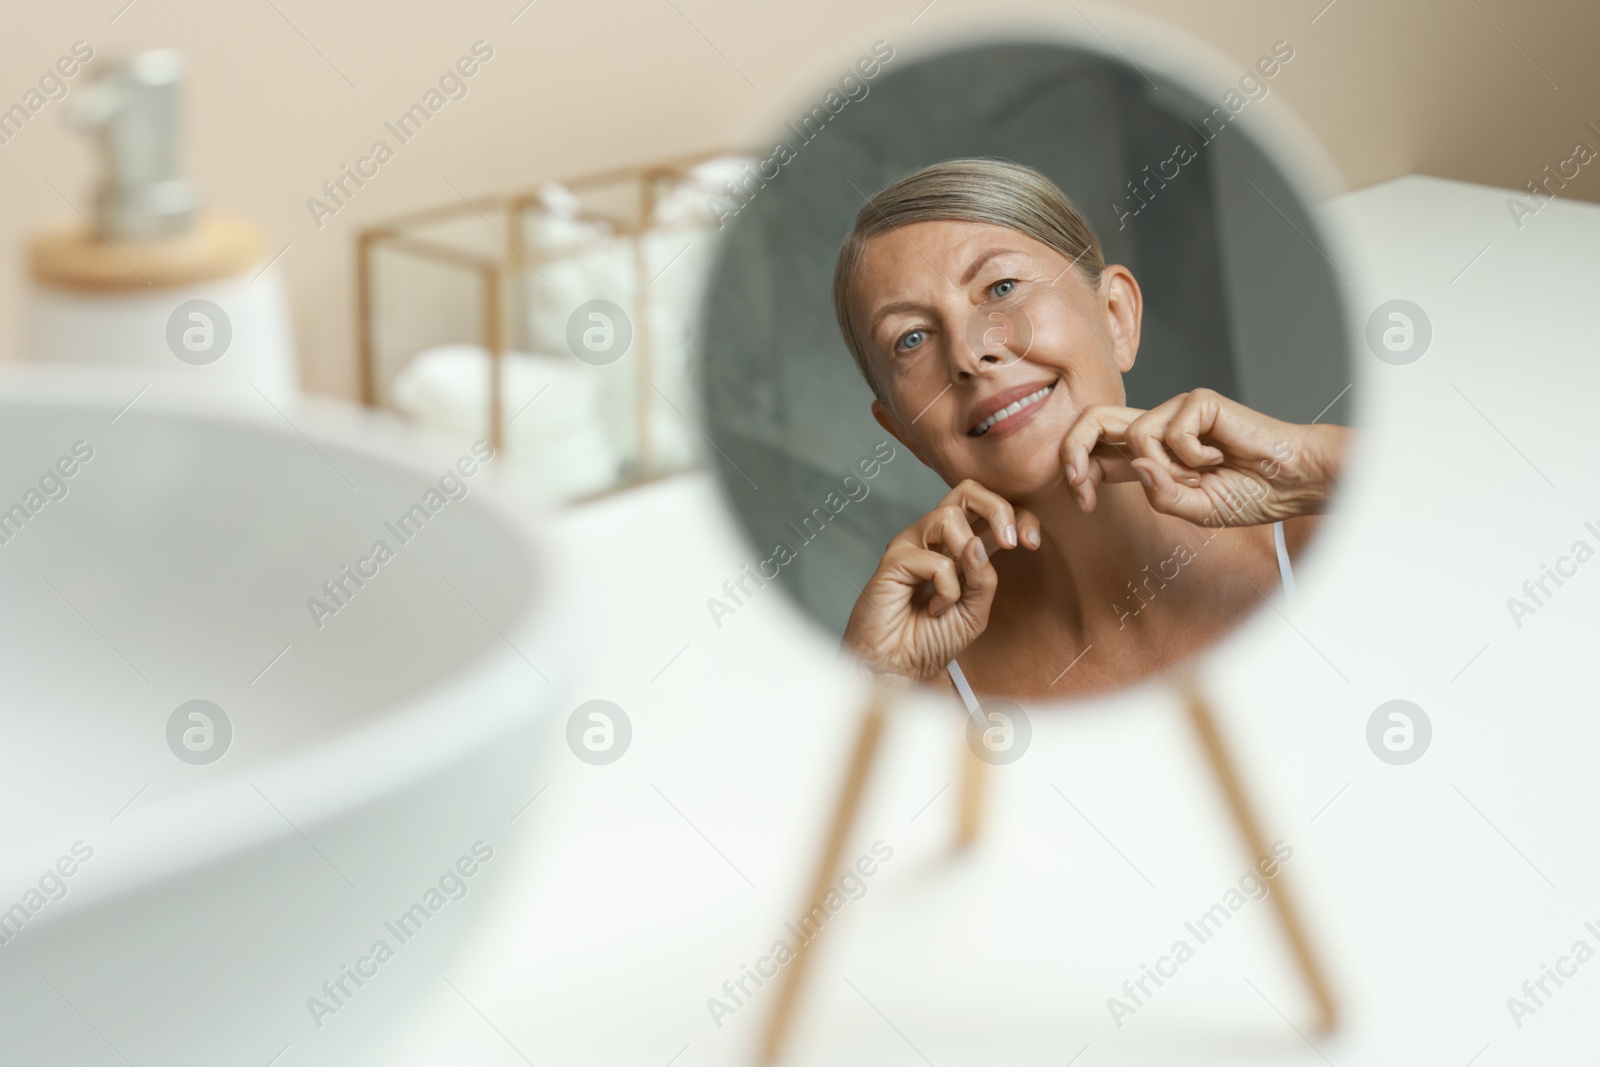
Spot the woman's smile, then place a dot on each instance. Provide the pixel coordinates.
(1008, 411)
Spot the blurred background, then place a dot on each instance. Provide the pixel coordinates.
(236, 757)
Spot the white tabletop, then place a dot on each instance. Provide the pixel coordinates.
(1434, 889)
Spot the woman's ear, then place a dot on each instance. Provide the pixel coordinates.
(886, 418)
(1124, 305)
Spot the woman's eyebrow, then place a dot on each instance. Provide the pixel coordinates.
(971, 272)
(984, 257)
(892, 309)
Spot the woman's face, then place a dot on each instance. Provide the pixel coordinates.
(987, 345)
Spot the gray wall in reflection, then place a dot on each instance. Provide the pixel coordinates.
(1237, 297)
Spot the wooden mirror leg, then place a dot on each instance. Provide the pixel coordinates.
(1222, 765)
(827, 869)
(974, 786)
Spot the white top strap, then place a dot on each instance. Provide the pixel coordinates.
(1285, 572)
(967, 696)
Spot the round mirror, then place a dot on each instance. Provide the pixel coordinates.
(1027, 368)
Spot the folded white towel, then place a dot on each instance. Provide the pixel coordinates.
(555, 437)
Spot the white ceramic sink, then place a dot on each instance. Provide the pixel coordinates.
(159, 909)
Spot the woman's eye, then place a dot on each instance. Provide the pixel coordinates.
(910, 340)
(1003, 287)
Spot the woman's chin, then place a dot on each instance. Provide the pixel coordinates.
(1022, 484)
(1029, 463)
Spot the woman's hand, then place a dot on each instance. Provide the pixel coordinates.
(931, 594)
(1205, 458)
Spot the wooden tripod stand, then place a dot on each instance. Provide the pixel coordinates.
(865, 752)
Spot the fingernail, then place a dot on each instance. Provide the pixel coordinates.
(1033, 538)
(1144, 475)
(1011, 536)
(983, 554)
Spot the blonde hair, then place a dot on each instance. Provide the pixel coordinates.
(992, 191)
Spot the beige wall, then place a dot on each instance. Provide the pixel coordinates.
(282, 92)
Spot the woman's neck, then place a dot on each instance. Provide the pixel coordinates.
(1089, 559)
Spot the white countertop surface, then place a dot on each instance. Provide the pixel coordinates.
(1434, 890)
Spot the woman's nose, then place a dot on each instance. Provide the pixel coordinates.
(982, 343)
(965, 360)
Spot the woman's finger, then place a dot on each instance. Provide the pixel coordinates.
(1029, 529)
(1197, 418)
(978, 574)
(1190, 450)
(1092, 474)
(1146, 437)
(994, 509)
(946, 527)
(1245, 436)
(1167, 495)
(1115, 462)
(912, 567)
(1109, 462)
(1095, 423)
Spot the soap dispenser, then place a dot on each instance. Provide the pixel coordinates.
(149, 279)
